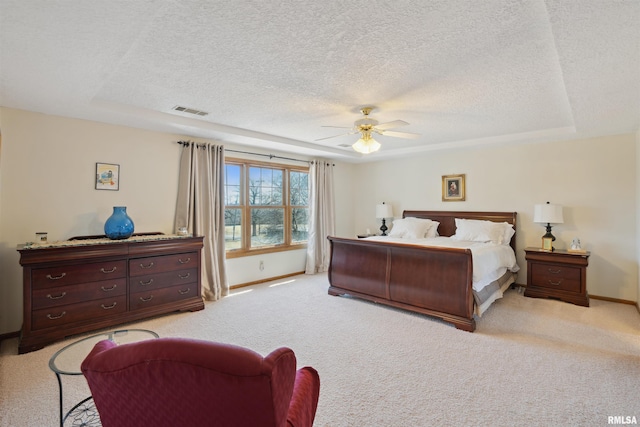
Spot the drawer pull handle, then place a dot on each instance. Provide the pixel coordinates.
(56, 297)
(108, 271)
(50, 317)
(109, 307)
(186, 276)
(552, 271)
(109, 289)
(146, 266)
(555, 283)
(182, 292)
(147, 283)
(146, 299)
(185, 261)
(50, 277)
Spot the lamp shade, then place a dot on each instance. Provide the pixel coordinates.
(366, 147)
(366, 144)
(548, 214)
(384, 211)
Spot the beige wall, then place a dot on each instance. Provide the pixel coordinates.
(47, 164)
(47, 167)
(594, 180)
(638, 210)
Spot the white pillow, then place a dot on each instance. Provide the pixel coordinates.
(432, 231)
(432, 226)
(410, 228)
(479, 231)
(507, 233)
(397, 229)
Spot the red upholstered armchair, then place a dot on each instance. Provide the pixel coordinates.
(182, 382)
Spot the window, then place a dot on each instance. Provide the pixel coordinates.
(266, 207)
(299, 202)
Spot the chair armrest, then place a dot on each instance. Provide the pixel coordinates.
(304, 402)
(101, 346)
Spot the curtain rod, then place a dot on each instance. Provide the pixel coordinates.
(270, 156)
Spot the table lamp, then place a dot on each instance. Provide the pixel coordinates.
(549, 214)
(384, 211)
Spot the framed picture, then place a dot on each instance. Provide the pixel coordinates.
(107, 176)
(453, 188)
(547, 244)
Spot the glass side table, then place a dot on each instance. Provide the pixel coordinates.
(68, 359)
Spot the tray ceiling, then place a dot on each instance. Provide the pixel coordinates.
(271, 74)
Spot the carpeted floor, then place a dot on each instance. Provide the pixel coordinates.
(531, 362)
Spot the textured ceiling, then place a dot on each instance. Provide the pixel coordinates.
(271, 74)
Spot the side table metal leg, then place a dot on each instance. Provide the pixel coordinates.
(60, 388)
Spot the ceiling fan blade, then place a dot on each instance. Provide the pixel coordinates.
(337, 127)
(400, 134)
(335, 136)
(390, 125)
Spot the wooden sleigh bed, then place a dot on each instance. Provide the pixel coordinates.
(436, 281)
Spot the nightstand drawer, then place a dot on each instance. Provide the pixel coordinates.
(559, 275)
(556, 276)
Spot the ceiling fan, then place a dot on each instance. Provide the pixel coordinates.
(366, 126)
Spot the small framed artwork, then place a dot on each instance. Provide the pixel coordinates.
(107, 176)
(453, 188)
(547, 244)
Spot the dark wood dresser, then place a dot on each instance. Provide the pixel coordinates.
(78, 286)
(558, 274)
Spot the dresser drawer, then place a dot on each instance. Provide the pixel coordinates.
(142, 300)
(63, 295)
(160, 264)
(65, 314)
(162, 280)
(555, 276)
(44, 278)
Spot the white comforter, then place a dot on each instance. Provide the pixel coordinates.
(490, 261)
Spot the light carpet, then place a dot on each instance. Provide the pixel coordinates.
(531, 362)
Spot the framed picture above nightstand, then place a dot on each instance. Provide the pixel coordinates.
(558, 275)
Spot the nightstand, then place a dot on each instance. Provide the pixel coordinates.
(559, 275)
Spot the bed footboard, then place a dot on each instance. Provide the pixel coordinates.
(432, 281)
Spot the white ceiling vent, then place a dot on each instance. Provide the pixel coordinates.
(190, 111)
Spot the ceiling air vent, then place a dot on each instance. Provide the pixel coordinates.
(190, 111)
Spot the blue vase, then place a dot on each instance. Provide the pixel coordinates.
(119, 225)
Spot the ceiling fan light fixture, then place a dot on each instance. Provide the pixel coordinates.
(366, 144)
(366, 126)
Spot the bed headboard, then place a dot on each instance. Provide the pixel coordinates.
(447, 221)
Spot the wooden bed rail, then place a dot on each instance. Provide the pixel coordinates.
(427, 280)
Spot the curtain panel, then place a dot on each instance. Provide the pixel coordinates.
(200, 208)
(322, 216)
